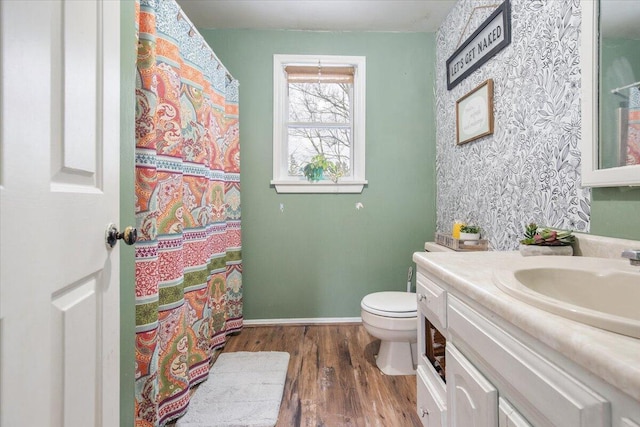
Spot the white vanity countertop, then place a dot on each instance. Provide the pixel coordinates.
(613, 357)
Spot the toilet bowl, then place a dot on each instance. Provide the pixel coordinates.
(392, 318)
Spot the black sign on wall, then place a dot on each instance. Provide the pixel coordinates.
(490, 38)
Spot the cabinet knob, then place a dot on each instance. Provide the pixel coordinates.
(421, 297)
(423, 412)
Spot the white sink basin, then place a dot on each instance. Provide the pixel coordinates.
(604, 293)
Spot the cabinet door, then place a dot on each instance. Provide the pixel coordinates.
(508, 416)
(626, 422)
(472, 401)
(432, 408)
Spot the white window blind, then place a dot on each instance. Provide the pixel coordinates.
(319, 74)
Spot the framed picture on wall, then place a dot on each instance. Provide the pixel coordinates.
(474, 113)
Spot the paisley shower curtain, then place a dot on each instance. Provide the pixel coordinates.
(188, 259)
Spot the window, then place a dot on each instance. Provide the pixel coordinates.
(319, 108)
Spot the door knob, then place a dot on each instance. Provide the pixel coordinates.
(112, 235)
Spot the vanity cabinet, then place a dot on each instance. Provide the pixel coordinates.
(498, 375)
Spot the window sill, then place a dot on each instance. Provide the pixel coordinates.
(345, 187)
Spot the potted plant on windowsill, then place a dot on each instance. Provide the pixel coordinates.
(545, 241)
(469, 232)
(314, 170)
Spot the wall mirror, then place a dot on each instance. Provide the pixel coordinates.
(610, 56)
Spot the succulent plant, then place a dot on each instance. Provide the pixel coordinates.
(546, 236)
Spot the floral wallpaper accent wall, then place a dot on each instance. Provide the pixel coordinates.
(529, 169)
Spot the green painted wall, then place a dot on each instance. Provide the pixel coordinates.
(320, 256)
(127, 209)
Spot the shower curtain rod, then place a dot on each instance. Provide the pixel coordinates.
(618, 89)
(182, 15)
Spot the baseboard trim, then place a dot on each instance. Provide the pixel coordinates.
(303, 321)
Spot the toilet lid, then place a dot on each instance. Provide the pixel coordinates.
(391, 304)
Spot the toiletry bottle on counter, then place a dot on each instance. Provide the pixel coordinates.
(456, 229)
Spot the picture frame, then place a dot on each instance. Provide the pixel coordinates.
(474, 113)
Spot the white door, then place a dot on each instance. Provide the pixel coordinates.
(59, 188)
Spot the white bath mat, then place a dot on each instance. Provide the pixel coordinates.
(244, 389)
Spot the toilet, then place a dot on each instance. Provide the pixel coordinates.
(392, 318)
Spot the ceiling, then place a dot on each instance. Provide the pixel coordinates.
(319, 15)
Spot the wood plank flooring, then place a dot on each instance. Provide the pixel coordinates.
(332, 378)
